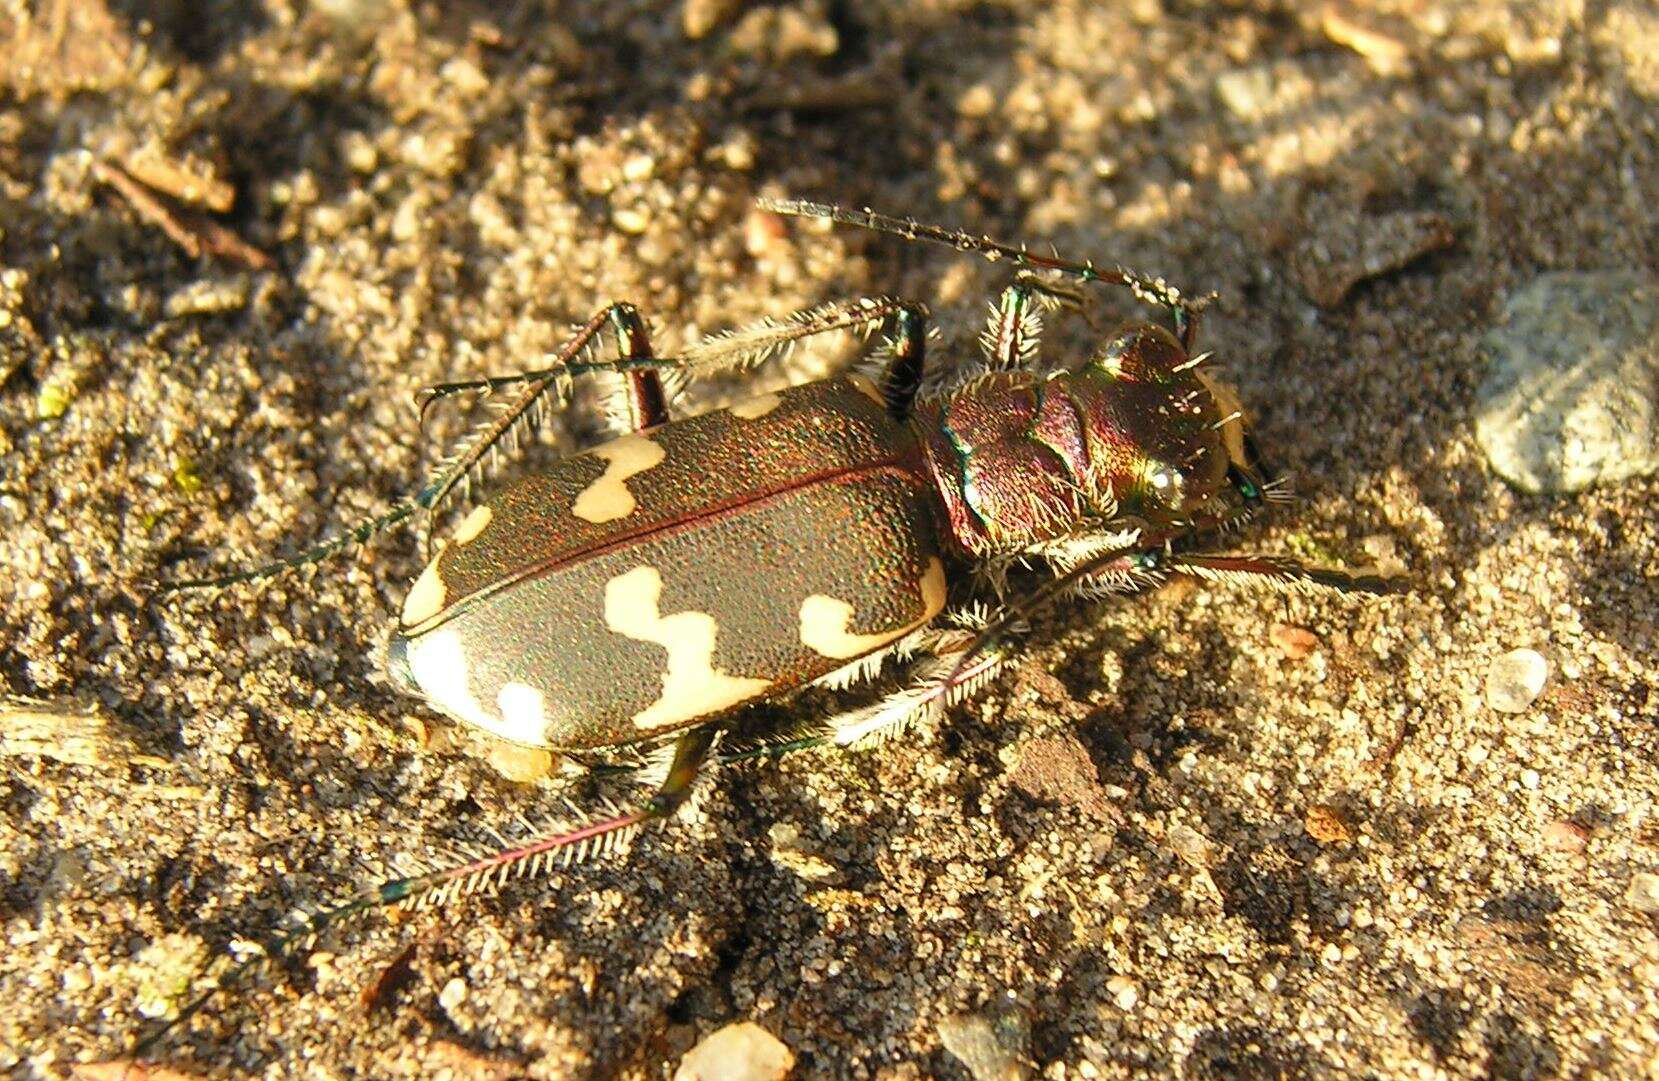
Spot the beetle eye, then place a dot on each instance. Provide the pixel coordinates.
(1167, 484)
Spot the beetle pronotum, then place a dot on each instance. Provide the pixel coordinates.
(608, 601)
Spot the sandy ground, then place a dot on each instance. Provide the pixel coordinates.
(1181, 837)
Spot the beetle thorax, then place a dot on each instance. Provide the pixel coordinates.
(1137, 438)
(1014, 462)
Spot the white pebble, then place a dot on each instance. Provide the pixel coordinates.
(738, 1052)
(453, 994)
(1514, 681)
(1643, 894)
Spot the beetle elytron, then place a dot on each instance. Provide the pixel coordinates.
(638, 594)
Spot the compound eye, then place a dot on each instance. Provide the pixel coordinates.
(1167, 484)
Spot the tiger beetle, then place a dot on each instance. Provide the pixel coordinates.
(633, 599)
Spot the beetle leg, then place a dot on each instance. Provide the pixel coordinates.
(1100, 564)
(632, 344)
(1276, 572)
(647, 402)
(734, 350)
(535, 855)
(648, 406)
(901, 377)
(936, 682)
(750, 346)
(1015, 325)
(646, 399)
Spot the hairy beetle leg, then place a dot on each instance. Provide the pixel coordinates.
(648, 406)
(647, 399)
(901, 380)
(427, 889)
(736, 350)
(1279, 573)
(939, 682)
(750, 346)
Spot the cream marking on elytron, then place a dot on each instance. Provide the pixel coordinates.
(439, 665)
(608, 497)
(691, 686)
(825, 620)
(523, 714)
(426, 597)
(754, 407)
(473, 524)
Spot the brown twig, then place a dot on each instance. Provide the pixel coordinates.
(197, 234)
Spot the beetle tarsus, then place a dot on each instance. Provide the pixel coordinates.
(358, 535)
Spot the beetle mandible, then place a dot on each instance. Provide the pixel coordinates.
(639, 594)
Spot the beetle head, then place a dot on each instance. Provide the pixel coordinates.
(1186, 451)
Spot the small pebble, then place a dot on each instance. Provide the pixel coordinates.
(1514, 680)
(1352, 246)
(525, 765)
(993, 1049)
(210, 297)
(631, 221)
(1296, 643)
(1327, 825)
(762, 232)
(790, 852)
(1564, 836)
(453, 994)
(785, 33)
(699, 17)
(1193, 847)
(1245, 93)
(739, 1052)
(1123, 992)
(977, 102)
(1644, 893)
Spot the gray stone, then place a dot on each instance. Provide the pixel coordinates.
(1572, 395)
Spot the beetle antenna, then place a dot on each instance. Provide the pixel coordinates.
(1149, 563)
(1153, 290)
